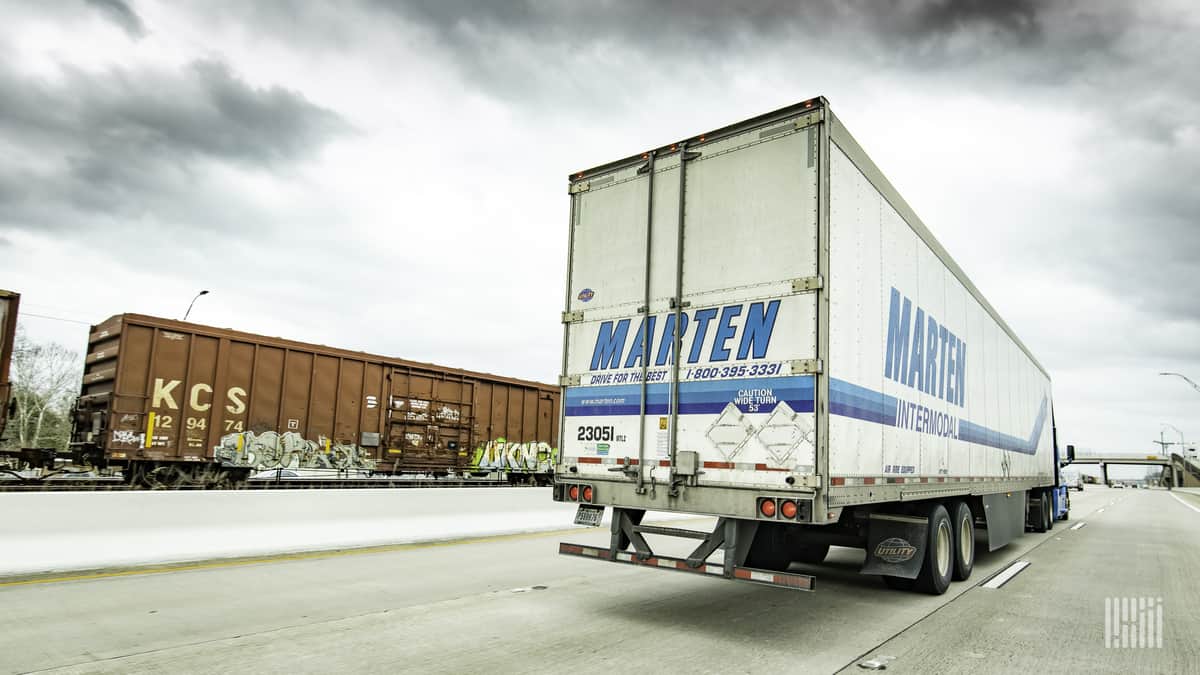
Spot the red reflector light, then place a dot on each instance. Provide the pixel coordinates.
(767, 507)
(587, 493)
(573, 493)
(788, 509)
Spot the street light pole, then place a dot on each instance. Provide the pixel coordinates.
(1168, 424)
(1185, 379)
(192, 303)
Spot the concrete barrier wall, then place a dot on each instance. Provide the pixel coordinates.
(53, 532)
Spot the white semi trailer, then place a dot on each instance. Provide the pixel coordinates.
(759, 328)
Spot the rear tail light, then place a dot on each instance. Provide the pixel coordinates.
(576, 493)
(767, 507)
(787, 509)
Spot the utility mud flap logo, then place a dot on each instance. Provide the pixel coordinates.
(895, 550)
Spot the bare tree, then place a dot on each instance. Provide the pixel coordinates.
(45, 378)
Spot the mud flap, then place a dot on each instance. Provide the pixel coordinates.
(896, 545)
(1005, 515)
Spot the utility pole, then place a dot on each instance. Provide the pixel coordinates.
(1162, 438)
(1165, 444)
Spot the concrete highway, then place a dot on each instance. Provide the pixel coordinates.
(510, 604)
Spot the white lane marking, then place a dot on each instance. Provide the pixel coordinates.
(1005, 576)
(1077, 526)
(1180, 500)
(1099, 510)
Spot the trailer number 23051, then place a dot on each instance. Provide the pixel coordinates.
(598, 433)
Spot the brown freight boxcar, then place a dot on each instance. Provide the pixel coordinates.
(9, 302)
(175, 402)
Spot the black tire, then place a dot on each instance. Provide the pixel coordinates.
(963, 522)
(1049, 510)
(937, 568)
(1039, 503)
(899, 583)
(769, 550)
(811, 554)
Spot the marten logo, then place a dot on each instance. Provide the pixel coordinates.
(586, 294)
(895, 550)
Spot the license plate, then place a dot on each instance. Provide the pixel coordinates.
(589, 515)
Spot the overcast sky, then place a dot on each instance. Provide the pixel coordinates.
(390, 176)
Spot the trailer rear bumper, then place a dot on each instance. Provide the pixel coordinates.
(799, 582)
(732, 536)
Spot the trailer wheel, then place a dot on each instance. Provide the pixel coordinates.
(964, 540)
(769, 550)
(810, 553)
(938, 567)
(899, 583)
(1043, 507)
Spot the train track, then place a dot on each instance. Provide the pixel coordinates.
(118, 485)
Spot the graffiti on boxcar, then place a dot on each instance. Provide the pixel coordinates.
(502, 455)
(289, 450)
(126, 437)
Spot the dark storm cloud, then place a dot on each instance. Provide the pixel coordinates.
(134, 142)
(715, 21)
(121, 14)
(1121, 65)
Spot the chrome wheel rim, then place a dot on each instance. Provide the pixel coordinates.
(966, 541)
(943, 548)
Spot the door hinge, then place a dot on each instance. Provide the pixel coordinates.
(575, 316)
(808, 284)
(806, 366)
(581, 186)
(569, 380)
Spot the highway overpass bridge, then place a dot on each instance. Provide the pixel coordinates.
(1178, 471)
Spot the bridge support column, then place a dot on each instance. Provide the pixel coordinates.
(1104, 472)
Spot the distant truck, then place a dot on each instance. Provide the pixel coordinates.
(1072, 479)
(758, 327)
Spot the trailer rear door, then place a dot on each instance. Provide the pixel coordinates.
(733, 265)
